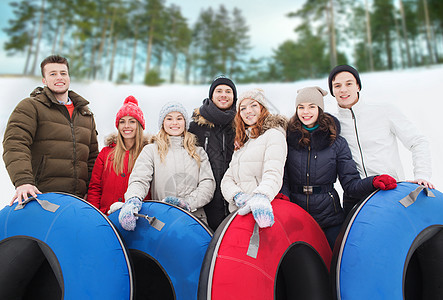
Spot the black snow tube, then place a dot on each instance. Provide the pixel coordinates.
(59, 246)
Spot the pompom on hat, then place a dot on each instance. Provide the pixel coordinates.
(255, 94)
(313, 95)
(130, 108)
(171, 107)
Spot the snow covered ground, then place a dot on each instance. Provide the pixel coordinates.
(416, 92)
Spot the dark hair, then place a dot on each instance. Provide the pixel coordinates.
(53, 59)
(325, 121)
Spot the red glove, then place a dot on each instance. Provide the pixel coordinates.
(384, 182)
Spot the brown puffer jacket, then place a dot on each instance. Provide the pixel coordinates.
(44, 147)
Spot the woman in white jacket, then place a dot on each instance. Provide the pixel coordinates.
(255, 174)
(173, 167)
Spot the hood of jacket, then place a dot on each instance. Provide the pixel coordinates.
(45, 96)
(319, 139)
(200, 120)
(275, 121)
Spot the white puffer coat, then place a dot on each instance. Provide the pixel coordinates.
(258, 166)
(179, 176)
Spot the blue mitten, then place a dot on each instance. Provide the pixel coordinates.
(262, 210)
(126, 216)
(241, 198)
(180, 202)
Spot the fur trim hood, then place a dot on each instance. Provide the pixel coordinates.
(111, 140)
(275, 121)
(200, 120)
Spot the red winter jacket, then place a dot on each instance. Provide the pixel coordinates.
(107, 187)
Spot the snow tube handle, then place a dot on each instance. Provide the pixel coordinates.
(46, 205)
(153, 221)
(254, 242)
(409, 199)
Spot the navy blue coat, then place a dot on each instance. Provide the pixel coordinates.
(319, 165)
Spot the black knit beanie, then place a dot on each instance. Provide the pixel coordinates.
(343, 68)
(223, 80)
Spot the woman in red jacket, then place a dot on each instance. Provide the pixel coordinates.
(115, 161)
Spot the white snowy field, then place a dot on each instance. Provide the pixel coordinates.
(416, 92)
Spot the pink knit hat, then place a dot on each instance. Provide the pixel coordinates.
(130, 108)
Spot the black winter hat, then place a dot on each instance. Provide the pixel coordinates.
(343, 68)
(223, 80)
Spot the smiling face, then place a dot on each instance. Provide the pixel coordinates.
(345, 89)
(56, 78)
(308, 114)
(127, 127)
(174, 123)
(223, 97)
(250, 111)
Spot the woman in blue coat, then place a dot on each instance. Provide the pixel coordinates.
(317, 155)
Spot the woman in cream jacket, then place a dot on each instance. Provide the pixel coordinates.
(255, 174)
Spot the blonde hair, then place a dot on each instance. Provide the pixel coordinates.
(189, 143)
(118, 153)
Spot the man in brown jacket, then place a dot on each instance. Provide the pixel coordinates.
(50, 142)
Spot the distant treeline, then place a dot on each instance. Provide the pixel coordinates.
(150, 41)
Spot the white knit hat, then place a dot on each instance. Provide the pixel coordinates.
(170, 107)
(255, 94)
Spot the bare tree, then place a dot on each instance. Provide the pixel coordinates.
(369, 37)
(405, 33)
(39, 36)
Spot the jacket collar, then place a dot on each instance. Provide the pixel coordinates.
(45, 96)
(346, 112)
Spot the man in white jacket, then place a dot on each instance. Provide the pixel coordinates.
(372, 131)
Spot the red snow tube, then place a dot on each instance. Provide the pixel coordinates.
(292, 261)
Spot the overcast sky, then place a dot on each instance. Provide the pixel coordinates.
(268, 24)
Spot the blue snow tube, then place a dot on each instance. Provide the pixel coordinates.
(392, 247)
(167, 260)
(58, 246)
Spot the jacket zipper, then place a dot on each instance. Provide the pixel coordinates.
(333, 201)
(358, 142)
(307, 177)
(207, 134)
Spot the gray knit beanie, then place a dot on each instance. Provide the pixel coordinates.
(255, 94)
(313, 95)
(171, 107)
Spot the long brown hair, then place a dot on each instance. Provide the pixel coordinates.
(118, 153)
(189, 143)
(255, 130)
(325, 121)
